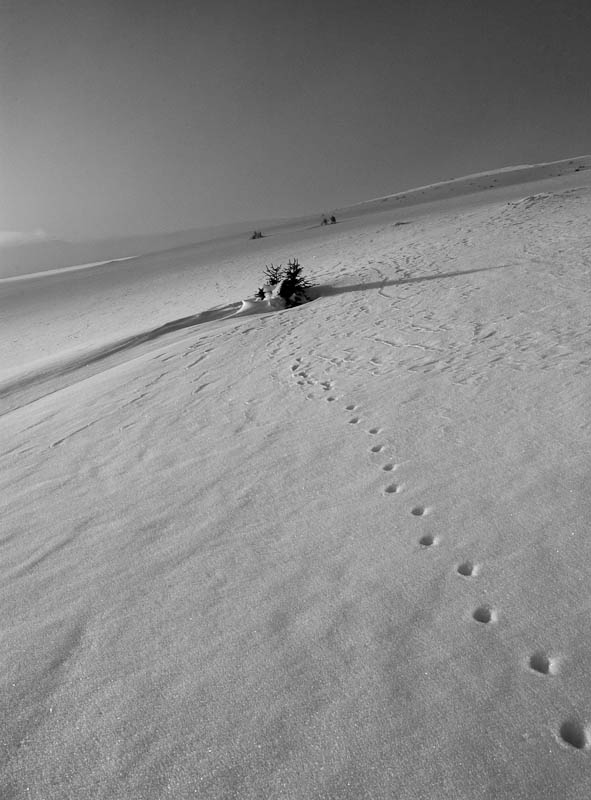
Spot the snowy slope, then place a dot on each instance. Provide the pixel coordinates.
(255, 557)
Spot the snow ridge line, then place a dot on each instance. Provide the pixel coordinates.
(41, 379)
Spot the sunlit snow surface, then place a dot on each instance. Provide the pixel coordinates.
(338, 551)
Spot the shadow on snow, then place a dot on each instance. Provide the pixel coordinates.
(327, 290)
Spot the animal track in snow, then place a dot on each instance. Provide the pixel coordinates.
(377, 448)
(304, 376)
(373, 431)
(573, 732)
(467, 569)
(418, 511)
(389, 467)
(350, 407)
(330, 399)
(427, 540)
(354, 421)
(393, 488)
(540, 662)
(484, 614)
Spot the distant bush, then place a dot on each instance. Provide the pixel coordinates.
(287, 283)
(256, 235)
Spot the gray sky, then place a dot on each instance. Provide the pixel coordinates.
(129, 116)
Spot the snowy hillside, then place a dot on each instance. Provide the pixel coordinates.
(339, 551)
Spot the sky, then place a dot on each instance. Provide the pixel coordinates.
(122, 117)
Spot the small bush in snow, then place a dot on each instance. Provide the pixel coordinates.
(274, 275)
(287, 283)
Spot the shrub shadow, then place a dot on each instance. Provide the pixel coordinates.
(327, 290)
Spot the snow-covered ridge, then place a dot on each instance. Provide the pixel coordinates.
(62, 270)
(235, 233)
(470, 184)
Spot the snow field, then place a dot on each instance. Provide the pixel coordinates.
(337, 551)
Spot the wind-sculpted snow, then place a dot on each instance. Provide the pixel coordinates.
(46, 377)
(333, 552)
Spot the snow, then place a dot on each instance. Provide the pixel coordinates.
(252, 556)
(44, 273)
